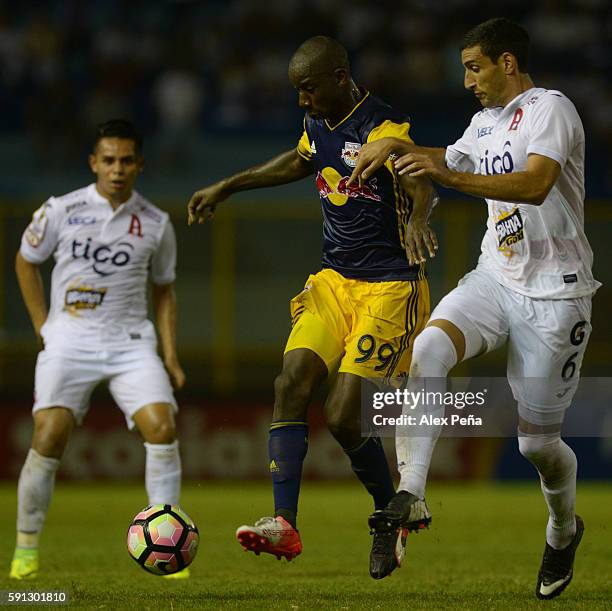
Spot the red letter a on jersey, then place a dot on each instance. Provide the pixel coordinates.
(135, 226)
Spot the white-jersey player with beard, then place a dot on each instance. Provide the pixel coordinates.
(538, 251)
(107, 242)
(532, 287)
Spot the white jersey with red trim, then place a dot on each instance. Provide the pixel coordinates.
(103, 258)
(538, 251)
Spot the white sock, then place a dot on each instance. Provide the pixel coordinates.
(556, 464)
(413, 460)
(433, 356)
(34, 492)
(163, 473)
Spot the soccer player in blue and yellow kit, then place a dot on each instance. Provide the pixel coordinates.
(357, 317)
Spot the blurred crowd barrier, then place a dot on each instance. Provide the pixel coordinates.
(228, 440)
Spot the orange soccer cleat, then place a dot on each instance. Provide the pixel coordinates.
(271, 535)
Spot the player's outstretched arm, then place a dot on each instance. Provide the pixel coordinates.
(33, 293)
(286, 167)
(530, 186)
(164, 305)
(374, 154)
(420, 238)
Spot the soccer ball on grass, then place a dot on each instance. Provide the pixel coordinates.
(163, 539)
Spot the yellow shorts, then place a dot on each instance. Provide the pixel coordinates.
(364, 328)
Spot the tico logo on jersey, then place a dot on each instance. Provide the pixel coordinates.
(509, 228)
(350, 152)
(500, 164)
(104, 257)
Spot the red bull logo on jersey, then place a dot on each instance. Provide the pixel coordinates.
(350, 152)
(366, 190)
(323, 187)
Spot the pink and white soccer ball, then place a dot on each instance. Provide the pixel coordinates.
(163, 539)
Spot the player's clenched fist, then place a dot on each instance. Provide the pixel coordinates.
(203, 203)
(176, 373)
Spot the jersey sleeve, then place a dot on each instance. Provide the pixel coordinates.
(303, 147)
(390, 129)
(41, 236)
(459, 155)
(163, 262)
(553, 125)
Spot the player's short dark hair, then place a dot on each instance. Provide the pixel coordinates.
(119, 128)
(497, 36)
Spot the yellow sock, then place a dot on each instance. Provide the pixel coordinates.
(27, 540)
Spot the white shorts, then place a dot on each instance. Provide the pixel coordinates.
(66, 378)
(546, 337)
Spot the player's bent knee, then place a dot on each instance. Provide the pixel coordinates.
(291, 397)
(434, 353)
(156, 423)
(553, 458)
(540, 450)
(52, 429)
(302, 374)
(302, 367)
(530, 447)
(292, 388)
(343, 406)
(345, 430)
(453, 332)
(336, 420)
(163, 432)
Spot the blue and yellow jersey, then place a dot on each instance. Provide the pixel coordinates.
(363, 226)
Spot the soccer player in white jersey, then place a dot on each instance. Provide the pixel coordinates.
(106, 240)
(532, 287)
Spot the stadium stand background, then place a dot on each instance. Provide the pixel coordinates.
(206, 83)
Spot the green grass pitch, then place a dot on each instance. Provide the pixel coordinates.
(482, 551)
